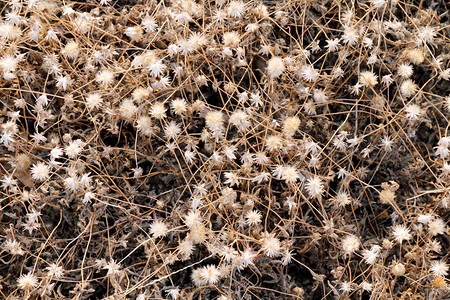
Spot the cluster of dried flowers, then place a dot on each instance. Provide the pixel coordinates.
(193, 149)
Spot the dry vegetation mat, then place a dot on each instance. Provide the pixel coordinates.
(196, 149)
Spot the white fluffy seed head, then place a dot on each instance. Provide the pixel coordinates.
(214, 120)
(320, 96)
(350, 36)
(253, 217)
(437, 226)
(308, 73)
(210, 274)
(192, 218)
(426, 34)
(275, 66)
(408, 88)
(236, 9)
(22, 162)
(350, 244)
(9, 63)
(416, 56)
(140, 93)
(71, 50)
(127, 108)
(135, 33)
(198, 234)
(378, 3)
(158, 111)
(401, 233)
(439, 268)
(291, 125)
(231, 38)
(144, 124)
(370, 256)
(27, 281)
(40, 171)
(274, 142)
(179, 106)
(74, 148)
(447, 103)
(424, 219)
(315, 187)
(271, 246)
(290, 174)
(240, 119)
(387, 196)
(55, 271)
(94, 101)
(405, 70)
(172, 130)
(149, 24)
(9, 31)
(158, 229)
(186, 247)
(368, 79)
(398, 269)
(413, 111)
(342, 199)
(105, 77)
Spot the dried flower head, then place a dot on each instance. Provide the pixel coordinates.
(27, 281)
(350, 244)
(398, 269)
(368, 79)
(158, 229)
(408, 88)
(40, 171)
(439, 268)
(275, 66)
(158, 111)
(314, 187)
(401, 233)
(214, 120)
(253, 217)
(271, 246)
